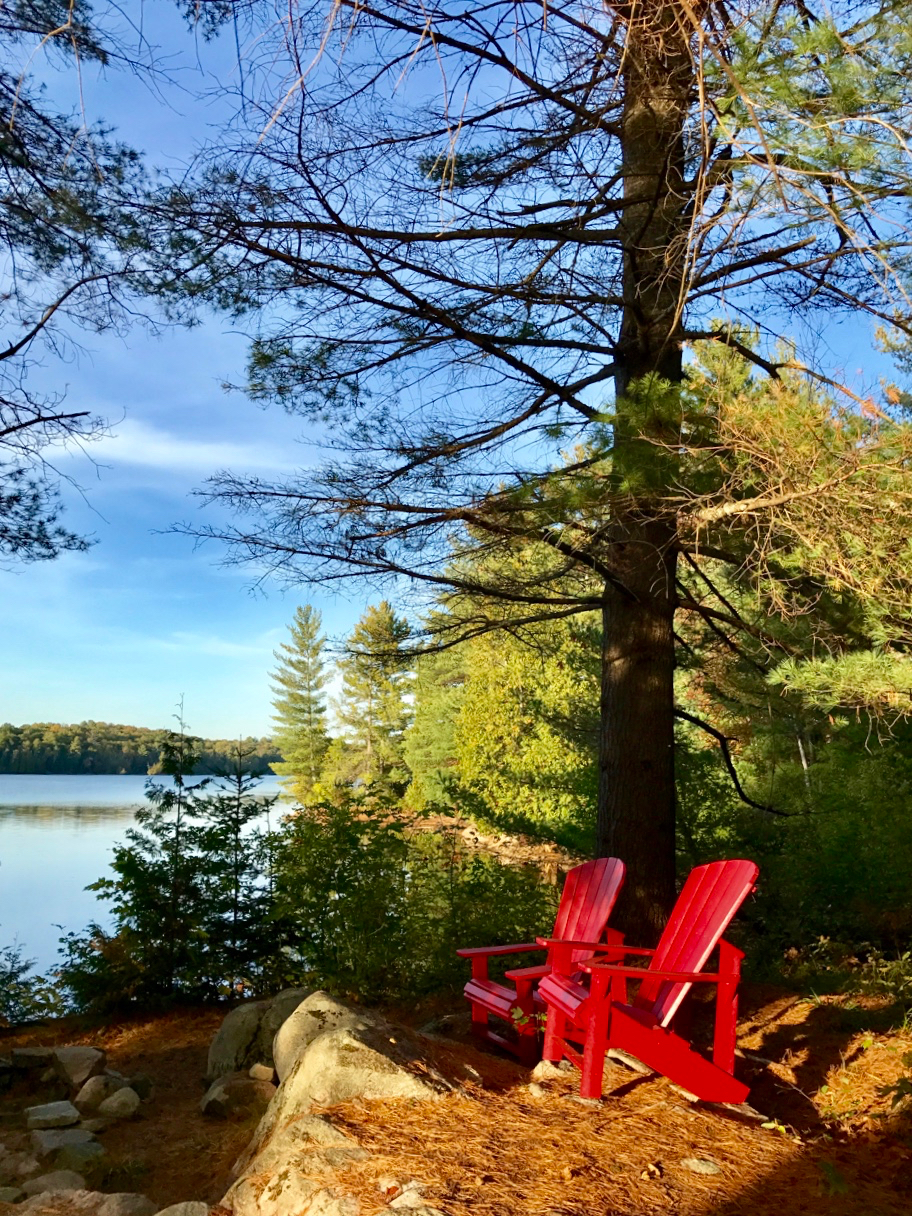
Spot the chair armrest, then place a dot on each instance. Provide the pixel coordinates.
(644, 973)
(528, 973)
(547, 942)
(493, 951)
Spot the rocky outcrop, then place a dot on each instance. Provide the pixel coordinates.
(245, 1037)
(328, 1052)
(315, 1015)
(237, 1094)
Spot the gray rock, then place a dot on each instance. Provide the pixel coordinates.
(68, 1202)
(192, 1207)
(701, 1165)
(11, 1194)
(234, 1039)
(46, 1143)
(121, 1105)
(77, 1064)
(16, 1166)
(544, 1070)
(95, 1090)
(277, 1012)
(333, 1203)
(360, 1062)
(236, 1094)
(536, 1091)
(315, 1015)
(287, 1193)
(309, 1142)
(29, 1059)
(57, 1180)
(80, 1157)
(51, 1114)
(126, 1203)
(261, 1072)
(93, 1125)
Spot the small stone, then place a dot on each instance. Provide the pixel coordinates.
(80, 1157)
(26, 1165)
(701, 1165)
(95, 1090)
(126, 1203)
(121, 1105)
(684, 1093)
(51, 1114)
(261, 1072)
(592, 1102)
(57, 1180)
(28, 1059)
(142, 1085)
(93, 1125)
(191, 1207)
(11, 1194)
(544, 1070)
(77, 1064)
(388, 1186)
(46, 1143)
(536, 1091)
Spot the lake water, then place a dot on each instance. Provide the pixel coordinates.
(56, 836)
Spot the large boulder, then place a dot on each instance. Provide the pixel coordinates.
(280, 1008)
(245, 1037)
(312, 1017)
(289, 1168)
(234, 1039)
(366, 1061)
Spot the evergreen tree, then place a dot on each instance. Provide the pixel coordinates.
(429, 747)
(373, 710)
(300, 716)
(458, 299)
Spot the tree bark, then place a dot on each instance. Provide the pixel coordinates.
(636, 803)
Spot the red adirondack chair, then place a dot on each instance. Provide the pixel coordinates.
(601, 1017)
(589, 894)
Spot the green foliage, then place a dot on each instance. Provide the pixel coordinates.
(373, 711)
(429, 748)
(189, 897)
(300, 711)
(103, 747)
(24, 997)
(371, 910)
(526, 732)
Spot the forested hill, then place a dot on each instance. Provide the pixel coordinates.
(104, 747)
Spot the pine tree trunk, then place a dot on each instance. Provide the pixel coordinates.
(636, 804)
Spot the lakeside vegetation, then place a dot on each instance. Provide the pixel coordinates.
(106, 747)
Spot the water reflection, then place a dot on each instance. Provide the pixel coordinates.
(56, 836)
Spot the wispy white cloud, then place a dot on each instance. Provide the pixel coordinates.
(137, 443)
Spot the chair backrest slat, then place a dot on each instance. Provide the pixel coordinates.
(710, 898)
(589, 895)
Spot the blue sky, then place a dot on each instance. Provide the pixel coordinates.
(122, 632)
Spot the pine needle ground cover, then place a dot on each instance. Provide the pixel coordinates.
(833, 1145)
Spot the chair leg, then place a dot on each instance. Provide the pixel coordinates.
(555, 1033)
